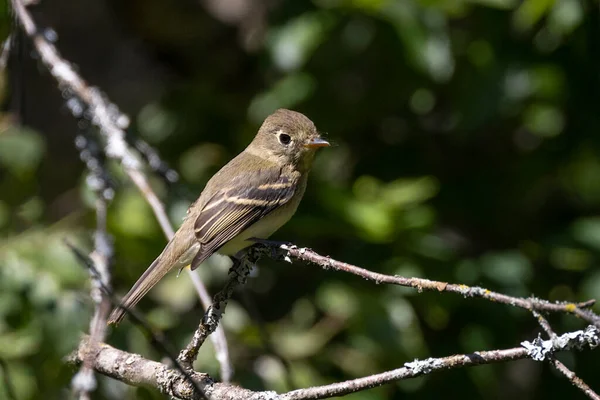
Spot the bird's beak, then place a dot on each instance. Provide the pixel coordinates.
(315, 143)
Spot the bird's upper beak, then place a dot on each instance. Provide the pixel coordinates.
(317, 142)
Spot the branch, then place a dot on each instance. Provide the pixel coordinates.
(112, 123)
(289, 252)
(539, 349)
(156, 339)
(135, 370)
(574, 379)
(154, 161)
(238, 274)
(5, 52)
(99, 180)
(559, 366)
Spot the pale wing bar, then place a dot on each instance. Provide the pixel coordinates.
(237, 207)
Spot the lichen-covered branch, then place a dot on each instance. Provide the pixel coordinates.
(136, 370)
(540, 350)
(560, 367)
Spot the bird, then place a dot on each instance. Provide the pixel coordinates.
(250, 197)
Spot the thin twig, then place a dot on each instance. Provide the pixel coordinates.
(574, 379)
(99, 180)
(5, 52)
(139, 179)
(560, 367)
(153, 160)
(238, 274)
(288, 252)
(218, 338)
(544, 324)
(111, 122)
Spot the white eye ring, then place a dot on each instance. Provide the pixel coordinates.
(284, 138)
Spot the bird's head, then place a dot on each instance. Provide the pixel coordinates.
(289, 138)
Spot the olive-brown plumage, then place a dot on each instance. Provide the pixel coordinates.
(252, 196)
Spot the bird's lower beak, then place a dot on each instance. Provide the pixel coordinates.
(316, 143)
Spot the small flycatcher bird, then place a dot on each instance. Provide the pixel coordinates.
(250, 197)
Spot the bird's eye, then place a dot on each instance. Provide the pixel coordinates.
(284, 139)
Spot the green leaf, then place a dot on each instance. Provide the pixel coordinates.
(21, 150)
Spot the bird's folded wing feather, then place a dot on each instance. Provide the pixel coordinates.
(235, 208)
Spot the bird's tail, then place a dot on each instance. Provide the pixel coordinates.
(149, 278)
(175, 254)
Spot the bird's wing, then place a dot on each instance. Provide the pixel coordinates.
(235, 208)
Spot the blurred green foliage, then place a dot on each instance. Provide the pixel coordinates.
(466, 150)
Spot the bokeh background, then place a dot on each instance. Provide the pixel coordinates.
(467, 146)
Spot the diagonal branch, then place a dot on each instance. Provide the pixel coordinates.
(238, 274)
(290, 252)
(574, 379)
(112, 123)
(5, 52)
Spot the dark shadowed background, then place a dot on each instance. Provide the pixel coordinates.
(466, 150)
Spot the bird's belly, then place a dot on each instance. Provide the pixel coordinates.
(262, 229)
